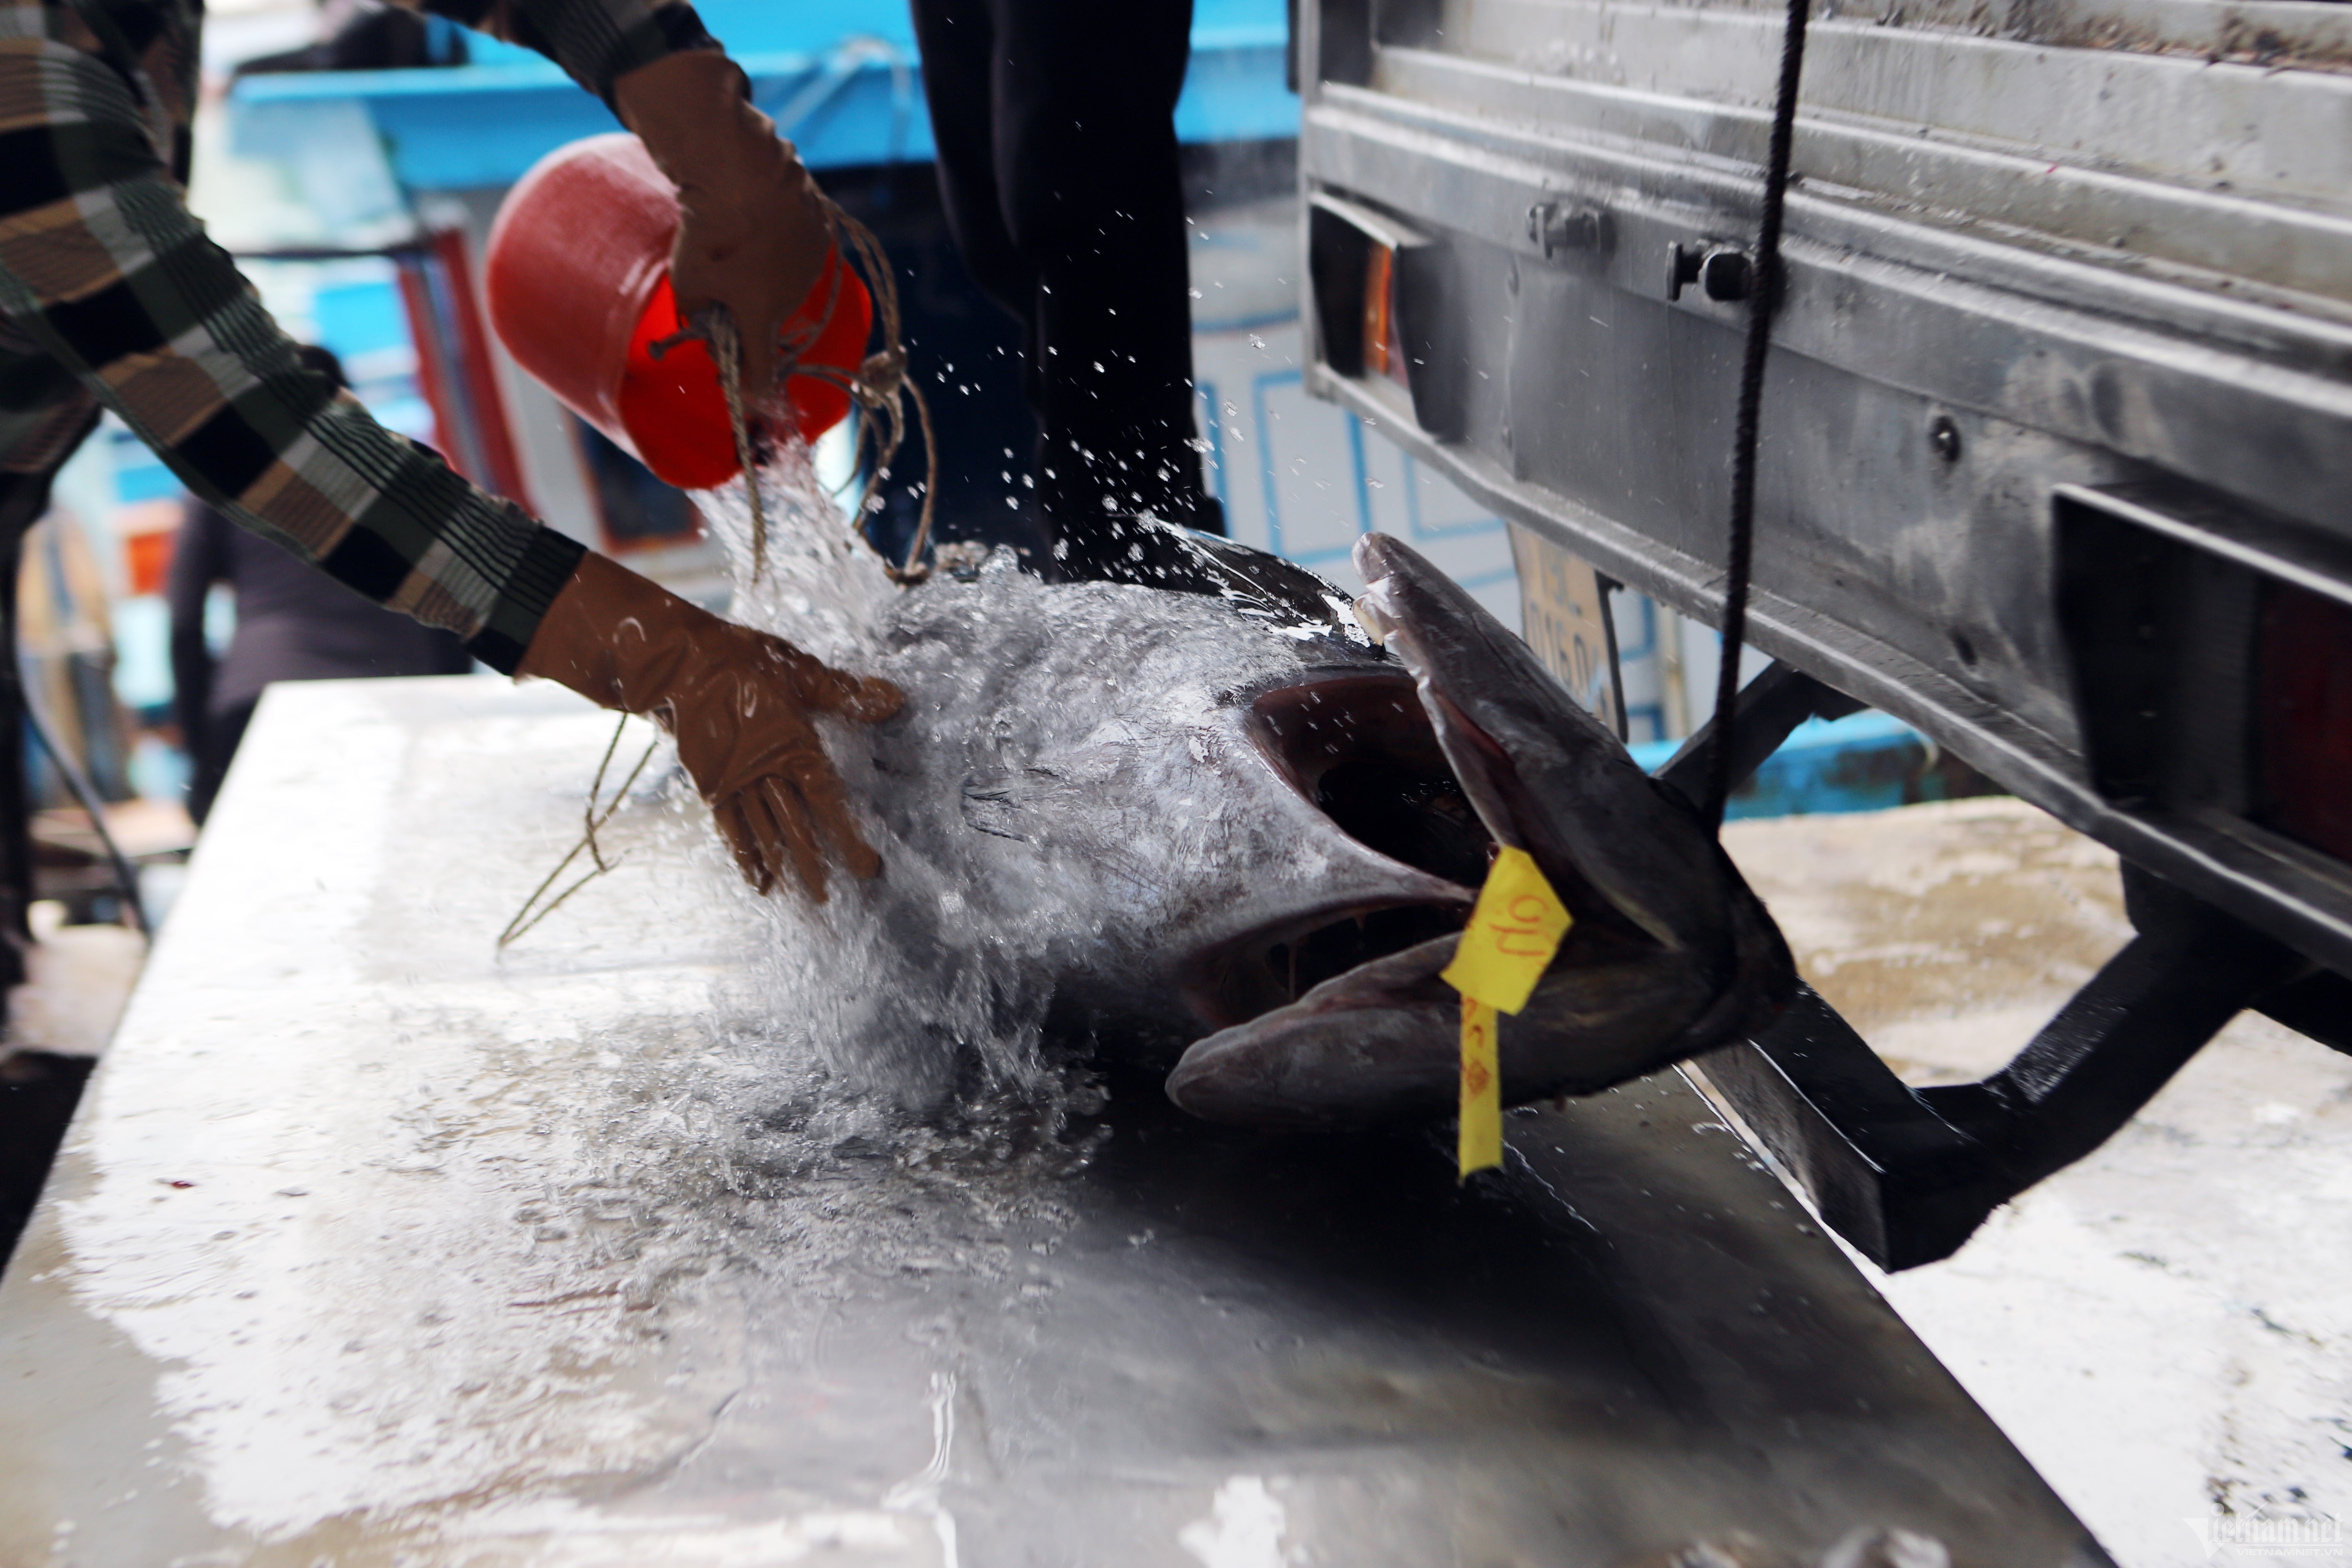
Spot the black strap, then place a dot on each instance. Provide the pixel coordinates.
(1761, 298)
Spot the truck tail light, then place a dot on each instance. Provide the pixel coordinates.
(1384, 347)
(2212, 648)
(1356, 257)
(2304, 725)
(1387, 309)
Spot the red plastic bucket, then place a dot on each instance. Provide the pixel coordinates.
(577, 279)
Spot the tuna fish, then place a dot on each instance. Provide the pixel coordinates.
(1208, 822)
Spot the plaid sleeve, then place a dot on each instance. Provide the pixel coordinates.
(596, 42)
(102, 267)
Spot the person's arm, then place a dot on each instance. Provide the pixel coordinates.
(198, 560)
(752, 233)
(597, 42)
(102, 264)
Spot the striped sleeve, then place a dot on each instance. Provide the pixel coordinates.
(102, 267)
(596, 42)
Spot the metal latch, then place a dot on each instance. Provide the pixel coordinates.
(1723, 273)
(1551, 227)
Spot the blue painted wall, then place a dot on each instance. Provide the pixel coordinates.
(1864, 762)
(843, 81)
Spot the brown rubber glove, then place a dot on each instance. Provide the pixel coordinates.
(737, 702)
(752, 234)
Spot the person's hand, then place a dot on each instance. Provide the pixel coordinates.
(737, 701)
(752, 234)
(740, 716)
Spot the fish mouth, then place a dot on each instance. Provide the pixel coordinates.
(1361, 750)
(1339, 1019)
(1336, 1016)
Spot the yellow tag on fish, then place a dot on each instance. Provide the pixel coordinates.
(1480, 1143)
(1511, 937)
(1509, 942)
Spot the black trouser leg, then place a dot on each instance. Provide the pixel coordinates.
(224, 732)
(15, 794)
(1073, 220)
(24, 497)
(958, 38)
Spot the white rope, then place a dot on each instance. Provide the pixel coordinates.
(880, 388)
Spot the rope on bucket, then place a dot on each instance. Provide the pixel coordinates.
(880, 388)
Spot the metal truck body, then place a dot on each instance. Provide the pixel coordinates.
(2056, 453)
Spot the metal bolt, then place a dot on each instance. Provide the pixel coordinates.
(1550, 229)
(1681, 268)
(1945, 437)
(1723, 273)
(1726, 275)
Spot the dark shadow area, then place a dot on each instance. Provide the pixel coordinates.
(638, 509)
(965, 353)
(1627, 1334)
(1375, 1226)
(38, 1092)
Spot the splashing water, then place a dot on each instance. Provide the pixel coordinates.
(822, 587)
(1049, 806)
(870, 1096)
(852, 1106)
(930, 1054)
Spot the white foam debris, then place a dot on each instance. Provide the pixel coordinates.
(1243, 1530)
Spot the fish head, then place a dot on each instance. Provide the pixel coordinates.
(1466, 743)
